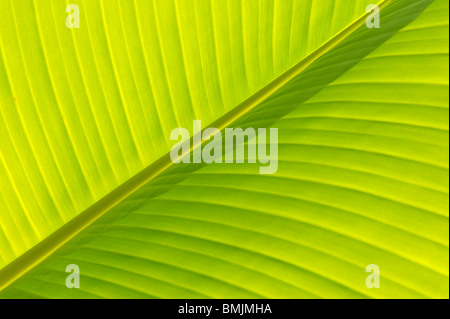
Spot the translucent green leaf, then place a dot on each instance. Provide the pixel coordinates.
(86, 179)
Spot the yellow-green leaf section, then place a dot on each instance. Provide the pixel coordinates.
(363, 149)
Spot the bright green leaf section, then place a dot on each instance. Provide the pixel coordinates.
(362, 179)
(83, 110)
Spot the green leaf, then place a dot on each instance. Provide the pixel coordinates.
(362, 176)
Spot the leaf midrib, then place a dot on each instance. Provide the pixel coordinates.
(64, 234)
